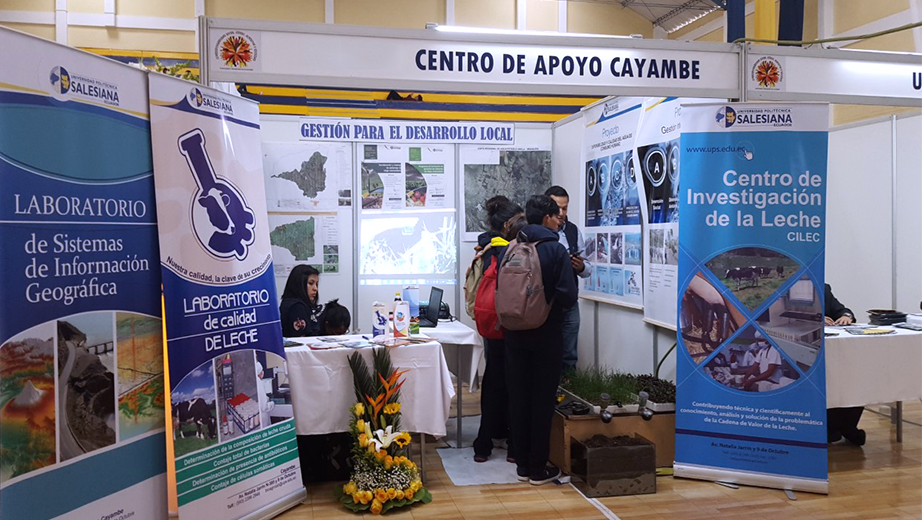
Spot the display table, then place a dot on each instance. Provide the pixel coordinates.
(322, 389)
(863, 370)
(454, 335)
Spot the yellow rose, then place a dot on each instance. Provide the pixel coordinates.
(349, 488)
(388, 464)
(392, 408)
(415, 485)
(371, 448)
(381, 495)
(389, 459)
(363, 440)
(380, 454)
(400, 494)
(391, 493)
(359, 409)
(408, 494)
(366, 496)
(357, 497)
(360, 425)
(376, 507)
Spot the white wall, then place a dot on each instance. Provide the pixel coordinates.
(909, 206)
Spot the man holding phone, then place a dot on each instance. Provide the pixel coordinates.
(571, 238)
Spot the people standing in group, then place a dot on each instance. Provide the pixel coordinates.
(571, 238)
(504, 220)
(300, 308)
(534, 357)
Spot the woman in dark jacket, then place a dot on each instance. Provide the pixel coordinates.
(300, 308)
(504, 219)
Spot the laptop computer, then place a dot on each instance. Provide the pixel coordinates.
(431, 319)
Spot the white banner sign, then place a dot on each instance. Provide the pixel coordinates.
(610, 185)
(417, 132)
(837, 76)
(233, 431)
(270, 52)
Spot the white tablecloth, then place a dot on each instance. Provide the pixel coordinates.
(322, 390)
(862, 370)
(454, 334)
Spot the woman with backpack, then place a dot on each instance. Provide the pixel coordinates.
(504, 220)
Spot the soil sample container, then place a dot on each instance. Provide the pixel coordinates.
(613, 466)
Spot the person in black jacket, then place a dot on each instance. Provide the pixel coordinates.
(836, 313)
(842, 422)
(502, 218)
(300, 310)
(534, 358)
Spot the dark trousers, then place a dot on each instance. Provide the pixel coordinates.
(533, 364)
(843, 420)
(494, 400)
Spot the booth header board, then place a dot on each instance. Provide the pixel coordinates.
(271, 53)
(81, 356)
(751, 393)
(235, 449)
(414, 132)
(836, 76)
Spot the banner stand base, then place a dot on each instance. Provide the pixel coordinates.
(749, 478)
(278, 507)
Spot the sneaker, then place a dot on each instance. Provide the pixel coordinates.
(521, 474)
(546, 475)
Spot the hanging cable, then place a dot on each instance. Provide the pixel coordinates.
(837, 39)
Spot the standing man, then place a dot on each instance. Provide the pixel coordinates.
(572, 239)
(534, 356)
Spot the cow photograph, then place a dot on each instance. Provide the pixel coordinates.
(753, 274)
(193, 412)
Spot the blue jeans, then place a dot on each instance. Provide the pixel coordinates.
(570, 336)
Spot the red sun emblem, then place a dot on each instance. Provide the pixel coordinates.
(768, 74)
(236, 51)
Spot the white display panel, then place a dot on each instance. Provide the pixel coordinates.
(518, 172)
(407, 223)
(309, 176)
(316, 227)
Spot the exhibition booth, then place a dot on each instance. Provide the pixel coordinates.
(377, 206)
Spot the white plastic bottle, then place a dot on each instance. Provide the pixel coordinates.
(402, 319)
(379, 319)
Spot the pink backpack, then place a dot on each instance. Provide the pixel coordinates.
(520, 301)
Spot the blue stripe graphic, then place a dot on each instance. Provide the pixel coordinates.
(78, 484)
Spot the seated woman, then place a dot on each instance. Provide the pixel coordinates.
(300, 310)
(335, 319)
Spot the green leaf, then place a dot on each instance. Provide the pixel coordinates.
(425, 495)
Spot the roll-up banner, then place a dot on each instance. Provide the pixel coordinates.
(81, 358)
(752, 382)
(612, 217)
(233, 432)
(656, 148)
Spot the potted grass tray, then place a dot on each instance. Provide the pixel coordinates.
(587, 387)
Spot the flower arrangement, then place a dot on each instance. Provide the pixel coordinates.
(383, 478)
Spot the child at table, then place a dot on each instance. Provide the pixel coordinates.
(335, 319)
